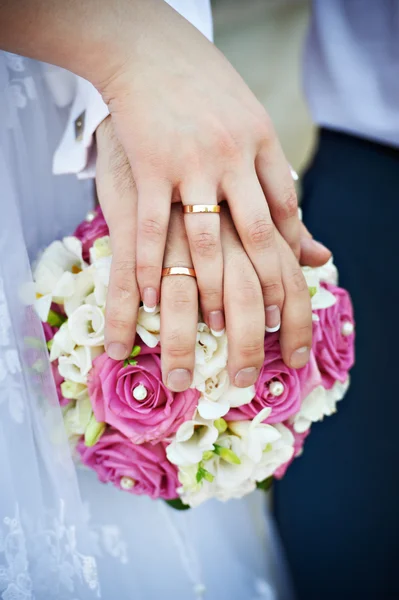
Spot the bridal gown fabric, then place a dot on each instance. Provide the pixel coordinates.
(64, 535)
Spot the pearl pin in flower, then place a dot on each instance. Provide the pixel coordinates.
(347, 328)
(91, 215)
(127, 483)
(140, 392)
(276, 388)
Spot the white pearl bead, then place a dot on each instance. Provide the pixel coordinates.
(91, 215)
(140, 392)
(276, 388)
(127, 483)
(347, 328)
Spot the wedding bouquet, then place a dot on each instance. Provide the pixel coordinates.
(211, 441)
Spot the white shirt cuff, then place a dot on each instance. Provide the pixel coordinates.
(76, 152)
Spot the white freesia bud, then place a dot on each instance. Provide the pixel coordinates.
(86, 326)
(72, 390)
(83, 287)
(140, 392)
(62, 343)
(275, 454)
(328, 272)
(255, 435)
(77, 365)
(149, 326)
(321, 298)
(100, 248)
(314, 408)
(334, 395)
(54, 273)
(210, 355)
(77, 416)
(192, 439)
(219, 395)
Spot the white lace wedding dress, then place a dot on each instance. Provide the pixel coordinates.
(63, 535)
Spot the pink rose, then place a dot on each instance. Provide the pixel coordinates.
(58, 379)
(299, 440)
(145, 466)
(296, 385)
(334, 347)
(90, 231)
(154, 414)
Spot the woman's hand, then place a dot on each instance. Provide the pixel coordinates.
(243, 299)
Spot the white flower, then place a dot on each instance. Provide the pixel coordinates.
(275, 454)
(210, 355)
(77, 416)
(321, 298)
(314, 408)
(102, 271)
(334, 395)
(219, 395)
(100, 249)
(62, 342)
(192, 439)
(77, 365)
(54, 273)
(328, 272)
(86, 325)
(149, 326)
(255, 435)
(82, 288)
(228, 474)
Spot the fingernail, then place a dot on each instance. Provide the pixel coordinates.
(246, 377)
(117, 351)
(179, 380)
(272, 318)
(300, 357)
(216, 322)
(150, 299)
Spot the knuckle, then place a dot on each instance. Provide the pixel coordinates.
(211, 295)
(177, 296)
(297, 281)
(123, 291)
(248, 293)
(204, 243)
(272, 289)
(288, 207)
(123, 267)
(114, 321)
(178, 349)
(152, 229)
(261, 234)
(252, 348)
(227, 144)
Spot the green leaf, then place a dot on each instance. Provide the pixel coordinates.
(312, 291)
(266, 484)
(54, 319)
(178, 504)
(202, 473)
(136, 351)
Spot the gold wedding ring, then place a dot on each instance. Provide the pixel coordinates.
(201, 208)
(178, 271)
